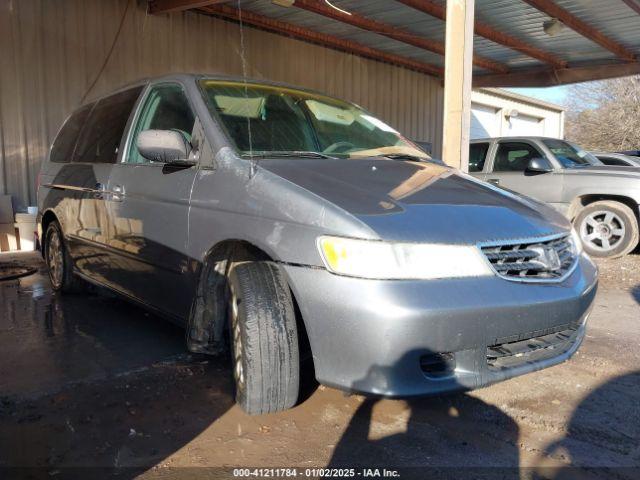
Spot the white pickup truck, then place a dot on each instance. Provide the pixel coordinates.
(601, 201)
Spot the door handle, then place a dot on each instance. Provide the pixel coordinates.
(99, 190)
(117, 193)
(494, 181)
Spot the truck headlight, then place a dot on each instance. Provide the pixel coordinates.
(401, 261)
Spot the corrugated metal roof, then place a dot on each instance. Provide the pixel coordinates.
(319, 23)
(514, 17)
(614, 18)
(523, 21)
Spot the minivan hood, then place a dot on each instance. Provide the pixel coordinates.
(420, 201)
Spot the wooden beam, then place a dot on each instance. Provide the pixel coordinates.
(168, 6)
(482, 29)
(548, 7)
(457, 83)
(321, 8)
(633, 5)
(323, 39)
(546, 78)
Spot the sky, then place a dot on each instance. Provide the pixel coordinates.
(548, 94)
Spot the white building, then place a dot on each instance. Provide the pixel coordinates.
(500, 113)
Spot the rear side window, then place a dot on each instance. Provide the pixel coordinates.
(477, 156)
(101, 136)
(62, 148)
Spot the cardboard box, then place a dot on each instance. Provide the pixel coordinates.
(8, 239)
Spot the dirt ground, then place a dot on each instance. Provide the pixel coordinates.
(91, 385)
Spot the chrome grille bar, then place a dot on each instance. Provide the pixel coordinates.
(550, 259)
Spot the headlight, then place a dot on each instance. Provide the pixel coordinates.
(577, 241)
(382, 260)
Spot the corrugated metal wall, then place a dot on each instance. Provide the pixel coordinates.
(51, 52)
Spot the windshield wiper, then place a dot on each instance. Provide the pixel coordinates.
(405, 156)
(287, 154)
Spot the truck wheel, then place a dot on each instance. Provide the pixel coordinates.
(607, 229)
(264, 338)
(59, 261)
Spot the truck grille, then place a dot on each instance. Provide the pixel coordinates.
(549, 260)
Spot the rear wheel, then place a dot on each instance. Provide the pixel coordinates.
(264, 338)
(59, 261)
(607, 229)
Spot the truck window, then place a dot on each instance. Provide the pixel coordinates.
(569, 154)
(612, 161)
(514, 156)
(100, 138)
(477, 156)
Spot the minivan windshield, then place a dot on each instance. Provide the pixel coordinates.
(265, 120)
(569, 154)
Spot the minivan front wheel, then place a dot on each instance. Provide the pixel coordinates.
(264, 338)
(607, 229)
(58, 260)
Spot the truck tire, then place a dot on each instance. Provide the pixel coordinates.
(59, 263)
(607, 229)
(264, 338)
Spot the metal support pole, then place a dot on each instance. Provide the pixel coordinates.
(457, 83)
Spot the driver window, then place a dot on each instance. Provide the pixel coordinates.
(514, 157)
(166, 108)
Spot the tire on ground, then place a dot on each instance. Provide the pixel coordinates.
(630, 239)
(69, 282)
(268, 350)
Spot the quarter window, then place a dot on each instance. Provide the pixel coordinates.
(613, 161)
(166, 108)
(514, 157)
(101, 136)
(477, 156)
(63, 146)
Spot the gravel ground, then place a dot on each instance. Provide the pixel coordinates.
(621, 273)
(93, 381)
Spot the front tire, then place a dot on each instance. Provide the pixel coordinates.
(58, 260)
(607, 229)
(264, 338)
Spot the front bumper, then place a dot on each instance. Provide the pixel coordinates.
(373, 336)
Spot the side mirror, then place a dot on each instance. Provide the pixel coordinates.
(166, 146)
(539, 165)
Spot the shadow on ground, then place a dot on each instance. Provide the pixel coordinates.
(452, 436)
(602, 438)
(635, 292)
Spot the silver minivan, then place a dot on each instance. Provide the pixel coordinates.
(286, 224)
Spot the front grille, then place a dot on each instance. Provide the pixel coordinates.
(539, 346)
(533, 260)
